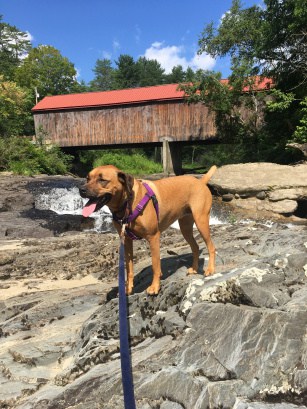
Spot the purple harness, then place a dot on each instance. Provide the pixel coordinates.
(137, 211)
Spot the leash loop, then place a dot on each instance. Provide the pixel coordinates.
(127, 379)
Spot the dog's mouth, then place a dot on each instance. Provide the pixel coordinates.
(94, 204)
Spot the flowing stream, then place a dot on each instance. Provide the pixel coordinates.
(68, 201)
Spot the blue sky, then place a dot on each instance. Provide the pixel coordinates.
(87, 30)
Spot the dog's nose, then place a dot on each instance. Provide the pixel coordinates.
(82, 191)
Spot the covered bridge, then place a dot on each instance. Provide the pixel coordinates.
(137, 116)
(157, 115)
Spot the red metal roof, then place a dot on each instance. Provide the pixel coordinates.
(126, 96)
(107, 98)
(257, 83)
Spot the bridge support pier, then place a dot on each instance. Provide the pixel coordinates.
(171, 157)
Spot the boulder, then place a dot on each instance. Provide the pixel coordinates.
(273, 189)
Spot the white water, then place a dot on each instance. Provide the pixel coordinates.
(68, 201)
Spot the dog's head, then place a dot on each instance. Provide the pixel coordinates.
(106, 185)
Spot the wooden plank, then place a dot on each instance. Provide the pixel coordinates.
(145, 123)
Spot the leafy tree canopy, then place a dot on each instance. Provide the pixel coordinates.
(268, 41)
(14, 44)
(48, 71)
(15, 105)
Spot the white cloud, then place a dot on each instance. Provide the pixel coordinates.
(29, 36)
(203, 62)
(170, 56)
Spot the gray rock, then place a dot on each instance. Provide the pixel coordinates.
(265, 183)
(257, 177)
(290, 193)
(283, 206)
(261, 195)
(227, 197)
(170, 405)
(236, 339)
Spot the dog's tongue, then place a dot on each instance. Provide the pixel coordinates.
(89, 208)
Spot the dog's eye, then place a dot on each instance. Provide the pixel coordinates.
(103, 182)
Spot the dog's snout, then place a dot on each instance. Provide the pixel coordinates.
(82, 191)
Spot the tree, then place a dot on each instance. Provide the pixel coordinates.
(150, 72)
(48, 71)
(176, 76)
(269, 41)
(15, 113)
(189, 75)
(104, 76)
(127, 73)
(14, 44)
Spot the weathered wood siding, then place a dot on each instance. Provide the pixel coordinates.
(116, 125)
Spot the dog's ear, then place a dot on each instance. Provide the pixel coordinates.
(126, 180)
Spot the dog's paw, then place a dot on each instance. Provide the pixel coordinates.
(209, 272)
(191, 271)
(153, 289)
(129, 289)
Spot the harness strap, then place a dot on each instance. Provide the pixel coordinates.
(140, 206)
(138, 210)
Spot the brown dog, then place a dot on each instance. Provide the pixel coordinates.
(183, 198)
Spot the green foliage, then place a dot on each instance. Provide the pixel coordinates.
(15, 114)
(135, 163)
(176, 76)
(280, 101)
(21, 156)
(104, 79)
(48, 71)
(126, 75)
(149, 72)
(13, 45)
(237, 35)
(130, 74)
(269, 41)
(209, 89)
(300, 134)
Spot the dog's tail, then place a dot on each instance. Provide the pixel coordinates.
(209, 174)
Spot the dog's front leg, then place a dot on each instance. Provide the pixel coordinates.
(129, 265)
(154, 243)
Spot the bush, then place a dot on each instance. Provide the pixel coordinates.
(21, 156)
(135, 163)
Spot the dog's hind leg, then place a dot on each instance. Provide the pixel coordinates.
(202, 223)
(186, 227)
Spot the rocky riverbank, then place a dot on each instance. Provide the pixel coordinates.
(264, 189)
(236, 340)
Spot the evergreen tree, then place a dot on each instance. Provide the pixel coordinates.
(150, 72)
(176, 76)
(104, 76)
(127, 73)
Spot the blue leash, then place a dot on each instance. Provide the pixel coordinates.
(127, 379)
